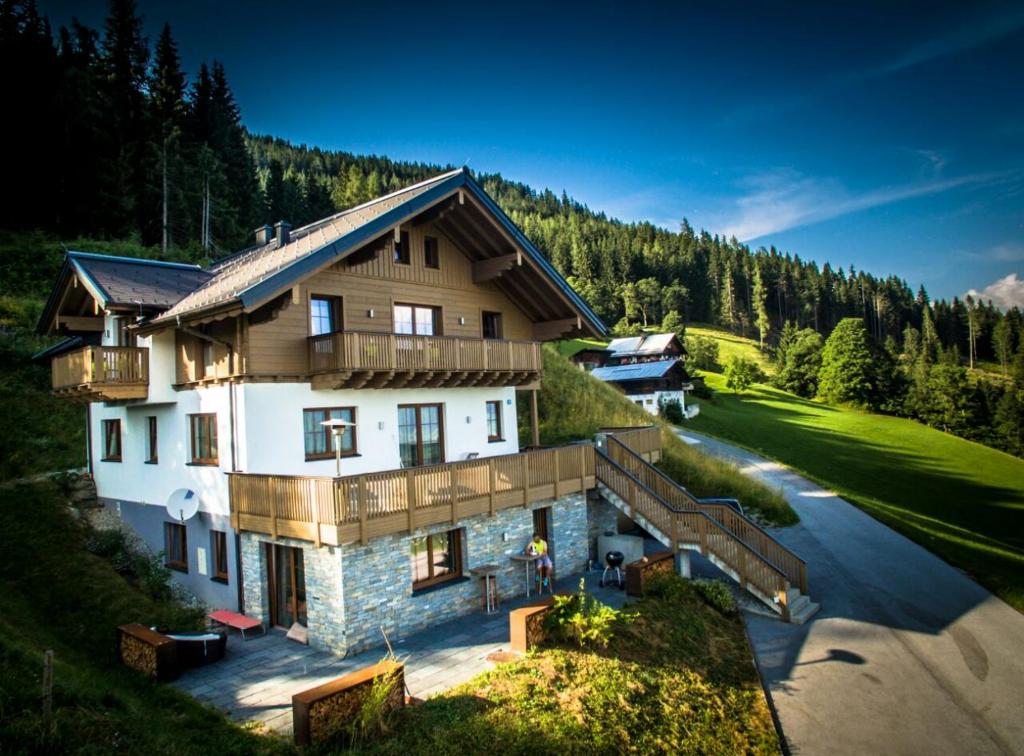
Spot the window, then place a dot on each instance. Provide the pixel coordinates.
(402, 250)
(436, 558)
(319, 440)
(204, 439)
(420, 434)
(151, 450)
(219, 549)
(175, 546)
(431, 252)
(417, 319)
(492, 325)
(209, 361)
(494, 421)
(324, 315)
(111, 441)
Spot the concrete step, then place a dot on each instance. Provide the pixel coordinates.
(807, 610)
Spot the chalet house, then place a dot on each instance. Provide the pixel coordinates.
(417, 317)
(414, 322)
(649, 370)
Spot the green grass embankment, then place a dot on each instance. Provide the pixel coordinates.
(961, 500)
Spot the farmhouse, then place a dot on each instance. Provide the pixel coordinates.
(321, 429)
(648, 369)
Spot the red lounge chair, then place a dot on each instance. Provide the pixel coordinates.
(238, 621)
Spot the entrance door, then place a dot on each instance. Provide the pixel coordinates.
(287, 586)
(540, 523)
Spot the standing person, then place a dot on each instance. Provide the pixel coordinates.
(538, 548)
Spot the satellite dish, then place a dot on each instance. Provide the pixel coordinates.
(183, 504)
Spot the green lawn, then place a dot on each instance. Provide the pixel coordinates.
(961, 500)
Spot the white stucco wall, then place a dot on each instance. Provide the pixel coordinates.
(132, 479)
(271, 432)
(650, 401)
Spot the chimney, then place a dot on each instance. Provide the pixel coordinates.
(283, 230)
(264, 234)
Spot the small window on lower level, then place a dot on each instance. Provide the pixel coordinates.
(436, 559)
(175, 546)
(219, 549)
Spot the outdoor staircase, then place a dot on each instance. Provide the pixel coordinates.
(735, 544)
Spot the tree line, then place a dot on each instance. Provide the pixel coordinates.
(115, 141)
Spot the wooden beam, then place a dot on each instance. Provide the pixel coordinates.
(488, 270)
(535, 422)
(73, 323)
(553, 329)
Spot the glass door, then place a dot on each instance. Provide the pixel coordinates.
(287, 586)
(420, 434)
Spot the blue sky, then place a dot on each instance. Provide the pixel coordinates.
(889, 136)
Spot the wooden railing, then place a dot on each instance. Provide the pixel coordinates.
(100, 365)
(360, 507)
(741, 526)
(357, 350)
(691, 526)
(644, 440)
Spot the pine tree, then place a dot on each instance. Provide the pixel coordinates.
(1002, 343)
(167, 106)
(847, 367)
(760, 295)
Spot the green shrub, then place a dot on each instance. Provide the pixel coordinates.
(145, 571)
(741, 374)
(672, 411)
(582, 619)
(717, 593)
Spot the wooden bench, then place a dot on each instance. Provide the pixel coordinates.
(238, 621)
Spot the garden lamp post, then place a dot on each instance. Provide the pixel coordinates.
(337, 428)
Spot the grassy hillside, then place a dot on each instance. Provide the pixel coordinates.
(55, 594)
(731, 345)
(962, 500)
(573, 405)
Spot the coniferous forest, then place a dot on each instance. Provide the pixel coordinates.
(117, 144)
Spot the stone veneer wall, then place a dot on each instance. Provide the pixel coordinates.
(602, 516)
(324, 600)
(377, 578)
(352, 591)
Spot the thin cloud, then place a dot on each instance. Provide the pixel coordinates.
(1006, 293)
(960, 39)
(781, 200)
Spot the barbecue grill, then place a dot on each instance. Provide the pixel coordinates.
(612, 569)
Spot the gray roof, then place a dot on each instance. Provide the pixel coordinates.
(243, 272)
(637, 372)
(130, 282)
(654, 343)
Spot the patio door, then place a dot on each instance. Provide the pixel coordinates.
(287, 585)
(420, 434)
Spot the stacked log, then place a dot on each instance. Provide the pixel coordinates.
(641, 571)
(148, 652)
(324, 713)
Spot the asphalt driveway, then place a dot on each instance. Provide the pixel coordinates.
(907, 655)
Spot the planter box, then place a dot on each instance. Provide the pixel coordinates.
(148, 652)
(639, 572)
(320, 714)
(526, 625)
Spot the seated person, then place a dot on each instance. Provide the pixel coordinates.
(538, 548)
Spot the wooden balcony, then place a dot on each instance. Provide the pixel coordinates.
(101, 374)
(360, 507)
(354, 359)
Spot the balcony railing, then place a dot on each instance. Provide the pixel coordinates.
(102, 373)
(360, 507)
(353, 359)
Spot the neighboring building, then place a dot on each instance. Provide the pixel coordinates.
(649, 370)
(418, 317)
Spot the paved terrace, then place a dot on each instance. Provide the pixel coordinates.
(257, 678)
